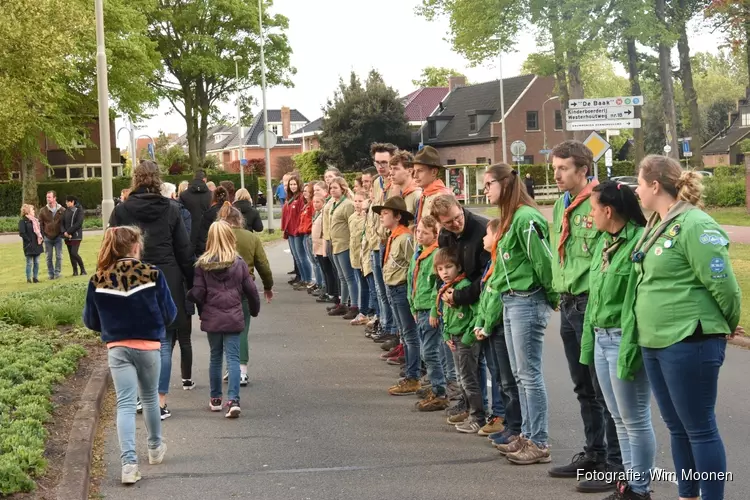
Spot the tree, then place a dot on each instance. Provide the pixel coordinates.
(665, 43)
(597, 72)
(197, 41)
(732, 18)
(359, 115)
(435, 77)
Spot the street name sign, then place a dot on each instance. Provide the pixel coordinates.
(600, 113)
(603, 124)
(606, 102)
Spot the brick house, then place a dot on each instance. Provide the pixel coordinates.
(724, 147)
(310, 135)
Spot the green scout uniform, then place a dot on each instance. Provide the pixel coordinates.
(684, 279)
(339, 224)
(422, 294)
(608, 287)
(489, 309)
(572, 275)
(458, 321)
(396, 265)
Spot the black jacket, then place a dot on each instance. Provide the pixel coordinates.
(472, 254)
(31, 245)
(197, 199)
(166, 243)
(209, 217)
(73, 222)
(251, 216)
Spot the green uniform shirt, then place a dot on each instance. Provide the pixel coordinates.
(489, 309)
(422, 298)
(685, 278)
(572, 276)
(459, 320)
(339, 229)
(607, 292)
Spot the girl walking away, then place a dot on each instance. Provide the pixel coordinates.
(523, 261)
(356, 232)
(129, 303)
(73, 233)
(31, 234)
(609, 344)
(687, 302)
(341, 209)
(221, 282)
(243, 202)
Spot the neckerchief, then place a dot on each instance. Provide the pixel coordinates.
(486, 275)
(401, 229)
(610, 249)
(316, 214)
(443, 289)
(642, 249)
(569, 207)
(419, 257)
(436, 187)
(337, 204)
(409, 189)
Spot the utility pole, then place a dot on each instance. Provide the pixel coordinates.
(239, 122)
(105, 150)
(502, 96)
(269, 188)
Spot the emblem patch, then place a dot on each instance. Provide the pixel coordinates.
(668, 244)
(577, 220)
(704, 239)
(717, 265)
(658, 251)
(674, 230)
(506, 256)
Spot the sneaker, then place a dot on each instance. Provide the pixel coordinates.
(457, 408)
(469, 426)
(390, 344)
(504, 437)
(425, 381)
(233, 409)
(396, 351)
(458, 418)
(360, 320)
(214, 404)
(529, 454)
(138, 406)
(596, 486)
(317, 292)
(130, 474)
(165, 413)
(243, 379)
(453, 390)
(339, 310)
(372, 326)
(494, 424)
(156, 456)
(514, 444)
(352, 313)
(579, 463)
(433, 403)
(396, 360)
(406, 387)
(188, 384)
(623, 492)
(425, 392)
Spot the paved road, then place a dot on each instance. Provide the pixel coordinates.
(317, 423)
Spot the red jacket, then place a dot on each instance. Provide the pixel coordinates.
(290, 215)
(305, 219)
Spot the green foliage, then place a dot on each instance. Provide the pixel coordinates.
(744, 145)
(435, 77)
(10, 224)
(724, 191)
(310, 165)
(45, 308)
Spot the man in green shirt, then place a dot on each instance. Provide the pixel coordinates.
(574, 238)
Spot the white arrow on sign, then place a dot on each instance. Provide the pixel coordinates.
(603, 124)
(636, 100)
(600, 113)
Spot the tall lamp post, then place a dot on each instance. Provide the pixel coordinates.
(269, 188)
(105, 151)
(544, 136)
(237, 59)
(502, 95)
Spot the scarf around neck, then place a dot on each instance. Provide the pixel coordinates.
(437, 187)
(569, 207)
(443, 289)
(401, 229)
(648, 238)
(409, 189)
(419, 257)
(37, 229)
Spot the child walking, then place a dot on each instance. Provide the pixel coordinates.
(220, 283)
(129, 303)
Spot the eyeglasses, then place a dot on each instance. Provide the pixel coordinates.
(488, 185)
(382, 163)
(454, 221)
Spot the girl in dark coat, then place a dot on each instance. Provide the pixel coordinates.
(73, 233)
(220, 195)
(249, 213)
(31, 234)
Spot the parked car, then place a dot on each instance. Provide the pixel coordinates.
(627, 180)
(705, 173)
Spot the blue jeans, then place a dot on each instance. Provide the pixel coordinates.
(32, 263)
(166, 362)
(363, 296)
(629, 403)
(408, 328)
(131, 368)
(430, 341)
(684, 378)
(348, 286)
(525, 315)
(496, 349)
(372, 294)
(224, 344)
(446, 359)
(487, 364)
(317, 272)
(297, 245)
(387, 321)
(56, 244)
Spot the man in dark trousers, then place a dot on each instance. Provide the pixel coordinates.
(197, 199)
(529, 185)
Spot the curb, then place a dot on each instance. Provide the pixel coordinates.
(74, 481)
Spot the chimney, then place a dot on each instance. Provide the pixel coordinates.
(455, 82)
(286, 122)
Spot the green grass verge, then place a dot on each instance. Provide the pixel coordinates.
(731, 216)
(10, 224)
(740, 255)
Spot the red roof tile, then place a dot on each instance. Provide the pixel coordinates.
(421, 103)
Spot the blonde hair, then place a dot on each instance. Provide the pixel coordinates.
(683, 185)
(231, 215)
(210, 184)
(429, 222)
(343, 185)
(118, 243)
(242, 194)
(220, 245)
(322, 185)
(182, 187)
(442, 205)
(26, 209)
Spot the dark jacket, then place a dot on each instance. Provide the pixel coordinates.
(219, 288)
(166, 243)
(529, 186)
(50, 225)
(197, 199)
(187, 217)
(250, 214)
(251, 250)
(472, 254)
(31, 245)
(132, 301)
(73, 222)
(208, 218)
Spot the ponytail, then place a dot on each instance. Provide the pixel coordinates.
(512, 195)
(690, 188)
(231, 215)
(220, 195)
(118, 243)
(622, 200)
(683, 185)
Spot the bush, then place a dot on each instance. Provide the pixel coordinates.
(724, 190)
(310, 165)
(10, 224)
(48, 308)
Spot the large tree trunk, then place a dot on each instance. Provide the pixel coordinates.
(667, 86)
(28, 178)
(560, 74)
(635, 89)
(190, 121)
(688, 89)
(746, 26)
(575, 85)
(203, 108)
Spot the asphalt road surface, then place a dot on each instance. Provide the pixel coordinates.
(317, 423)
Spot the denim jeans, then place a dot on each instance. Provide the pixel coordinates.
(56, 244)
(488, 373)
(165, 353)
(32, 264)
(430, 340)
(347, 284)
(449, 366)
(317, 272)
(684, 378)
(387, 321)
(467, 360)
(336, 285)
(372, 295)
(525, 316)
(408, 327)
(227, 344)
(629, 403)
(244, 346)
(297, 244)
(497, 348)
(597, 422)
(363, 297)
(131, 368)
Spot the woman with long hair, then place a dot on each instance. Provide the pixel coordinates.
(304, 232)
(330, 294)
(31, 234)
(218, 196)
(687, 302)
(521, 271)
(290, 224)
(341, 209)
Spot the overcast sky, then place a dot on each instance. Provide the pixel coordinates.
(330, 38)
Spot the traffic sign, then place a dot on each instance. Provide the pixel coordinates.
(272, 140)
(608, 158)
(606, 102)
(603, 124)
(667, 149)
(518, 148)
(597, 144)
(600, 113)
(689, 154)
(518, 158)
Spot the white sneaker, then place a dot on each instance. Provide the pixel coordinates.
(360, 319)
(157, 456)
(130, 474)
(372, 321)
(243, 379)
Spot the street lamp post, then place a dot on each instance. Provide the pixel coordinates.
(105, 151)
(239, 122)
(269, 188)
(544, 136)
(502, 96)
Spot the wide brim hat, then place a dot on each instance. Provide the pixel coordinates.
(397, 204)
(428, 156)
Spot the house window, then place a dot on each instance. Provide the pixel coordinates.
(532, 120)
(528, 160)
(275, 129)
(745, 116)
(558, 120)
(433, 129)
(60, 173)
(15, 175)
(472, 123)
(451, 162)
(481, 160)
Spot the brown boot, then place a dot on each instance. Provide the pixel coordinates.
(339, 310)
(406, 387)
(351, 313)
(433, 403)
